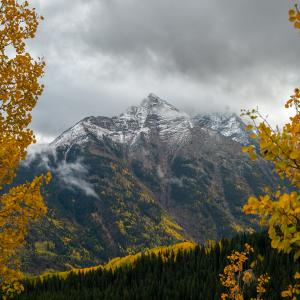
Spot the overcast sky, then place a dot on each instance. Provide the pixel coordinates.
(201, 55)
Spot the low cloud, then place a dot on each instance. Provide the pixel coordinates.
(103, 56)
(72, 174)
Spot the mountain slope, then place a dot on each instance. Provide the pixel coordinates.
(192, 274)
(151, 176)
(123, 262)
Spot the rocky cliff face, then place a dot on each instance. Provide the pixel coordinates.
(153, 175)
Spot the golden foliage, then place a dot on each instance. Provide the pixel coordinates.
(280, 147)
(163, 251)
(281, 214)
(128, 260)
(236, 279)
(279, 210)
(293, 290)
(19, 91)
(294, 16)
(172, 228)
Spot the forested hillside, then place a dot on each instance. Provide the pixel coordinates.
(188, 274)
(152, 176)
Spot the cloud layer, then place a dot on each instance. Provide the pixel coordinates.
(72, 174)
(104, 55)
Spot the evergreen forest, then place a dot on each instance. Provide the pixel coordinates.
(185, 275)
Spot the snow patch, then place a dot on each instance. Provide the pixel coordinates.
(229, 125)
(173, 125)
(152, 115)
(160, 172)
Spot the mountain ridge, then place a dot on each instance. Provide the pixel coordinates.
(173, 125)
(152, 176)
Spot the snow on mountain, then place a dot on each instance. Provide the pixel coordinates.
(152, 116)
(227, 124)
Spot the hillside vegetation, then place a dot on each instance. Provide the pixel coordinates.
(186, 271)
(120, 262)
(109, 198)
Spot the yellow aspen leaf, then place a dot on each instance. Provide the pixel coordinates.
(19, 91)
(280, 212)
(292, 12)
(295, 154)
(286, 294)
(245, 149)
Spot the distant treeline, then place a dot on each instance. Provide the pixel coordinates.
(188, 275)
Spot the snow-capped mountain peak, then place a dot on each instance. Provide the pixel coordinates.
(227, 124)
(153, 106)
(155, 117)
(153, 114)
(153, 102)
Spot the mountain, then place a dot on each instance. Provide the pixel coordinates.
(153, 116)
(153, 175)
(229, 125)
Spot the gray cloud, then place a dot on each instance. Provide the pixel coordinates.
(103, 56)
(72, 174)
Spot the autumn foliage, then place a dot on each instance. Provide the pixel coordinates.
(19, 92)
(280, 210)
(236, 280)
(294, 16)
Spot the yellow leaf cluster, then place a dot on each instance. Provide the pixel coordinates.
(280, 211)
(236, 279)
(280, 147)
(261, 283)
(294, 17)
(282, 217)
(20, 88)
(293, 291)
(20, 207)
(130, 260)
(19, 92)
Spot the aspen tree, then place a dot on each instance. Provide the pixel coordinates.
(20, 205)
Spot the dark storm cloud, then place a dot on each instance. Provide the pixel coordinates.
(201, 55)
(201, 38)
